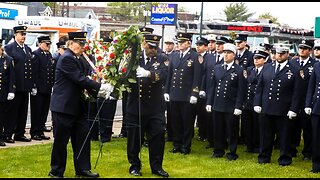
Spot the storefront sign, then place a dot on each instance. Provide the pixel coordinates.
(8, 13)
(164, 14)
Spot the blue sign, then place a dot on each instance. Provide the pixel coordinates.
(8, 13)
(164, 14)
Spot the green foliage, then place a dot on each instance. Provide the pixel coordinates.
(237, 12)
(269, 16)
(34, 161)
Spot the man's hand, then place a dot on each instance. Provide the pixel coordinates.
(141, 72)
(166, 97)
(34, 91)
(291, 114)
(209, 108)
(307, 110)
(257, 109)
(105, 90)
(202, 94)
(10, 96)
(193, 100)
(237, 112)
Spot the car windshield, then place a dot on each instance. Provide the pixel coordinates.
(30, 39)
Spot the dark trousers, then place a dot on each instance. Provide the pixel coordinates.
(315, 120)
(66, 127)
(5, 115)
(124, 112)
(202, 115)
(250, 121)
(18, 122)
(154, 127)
(182, 124)
(101, 118)
(169, 121)
(39, 113)
(226, 127)
(269, 126)
(301, 122)
(209, 127)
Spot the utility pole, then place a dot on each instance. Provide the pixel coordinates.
(68, 9)
(62, 10)
(54, 8)
(201, 16)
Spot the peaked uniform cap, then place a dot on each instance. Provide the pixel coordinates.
(152, 39)
(45, 39)
(17, 29)
(146, 30)
(78, 36)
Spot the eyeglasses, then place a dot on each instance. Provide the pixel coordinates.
(48, 44)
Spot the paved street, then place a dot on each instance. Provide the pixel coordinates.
(116, 128)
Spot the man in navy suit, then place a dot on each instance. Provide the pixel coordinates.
(182, 90)
(277, 99)
(312, 108)
(21, 54)
(225, 97)
(303, 121)
(67, 109)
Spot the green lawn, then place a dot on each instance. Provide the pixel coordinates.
(34, 161)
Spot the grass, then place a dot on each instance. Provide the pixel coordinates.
(34, 161)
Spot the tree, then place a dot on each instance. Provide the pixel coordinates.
(54, 6)
(237, 12)
(129, 11)
(270, 17)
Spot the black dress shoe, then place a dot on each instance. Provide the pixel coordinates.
(232, 157)
(47, 129)
(160, 172)
(87, 173)
(209, 146)
(315, 170)
(22, 138)
(135, 172)
(44, 137)
(54, 175)
(176, 150)
(103, 140)
(185, 151)
(217, 155)
(306, 158)
(8, 140)
(36, 137)
(2, 143)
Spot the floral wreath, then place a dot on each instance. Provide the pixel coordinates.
(116, 60)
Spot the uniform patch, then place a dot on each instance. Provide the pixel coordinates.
(200, 59)
(166, 63)
(302, 73)
(245, 74)
(189, 63)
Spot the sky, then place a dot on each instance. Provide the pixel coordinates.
(295, 14)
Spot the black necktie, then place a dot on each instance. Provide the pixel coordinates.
(181, 56)
(301, 64)
(257, 72)
(225, 67)
(239, 56)
(278, 69)
(148, 60)
(218, 58)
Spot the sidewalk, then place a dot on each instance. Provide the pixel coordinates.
(116, 129)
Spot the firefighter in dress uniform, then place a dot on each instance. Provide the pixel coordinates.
(143, 116)
(277, 99)
(226, 94)
(7, 90)
(182, 90)
(25, 84)
(44, 67)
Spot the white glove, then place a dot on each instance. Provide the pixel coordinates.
(237, 112)
(141, 72)
(202, 94)
(291, 114)
(10, 96)
(112, 98)
(307, 110)
(257, 109)
(34, 91)
(193, 100)
(105, 90)
(166, 97)
(209, 108)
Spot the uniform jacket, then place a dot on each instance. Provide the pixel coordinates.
(313, 92)
(227, 89)
(278, 93)
(70, 82)
(252, 81)
(149, 90)
(184, 77)
(208, 66)
(246, 59)
(7, 77)
(44, 69)
(22, 66)
(305, 73)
